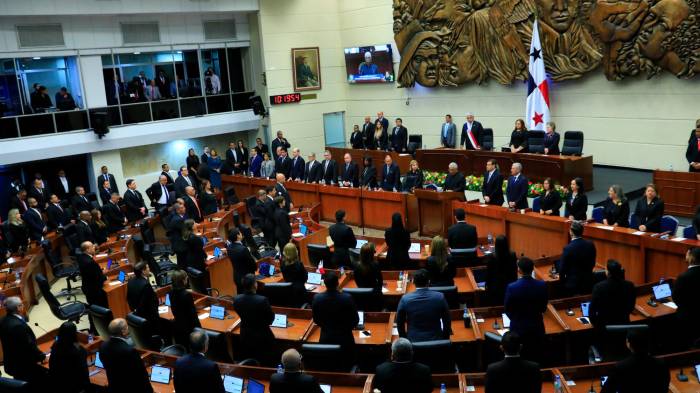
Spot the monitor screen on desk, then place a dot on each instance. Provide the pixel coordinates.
(255, 386)
(217, 312)
(303, 229)
(662, 291)
(361, 243)
(506, 321)
(326, 388)
(98, 361)
(233, 384)
(314, 278)
(280, 321)
(584, 308)
(122, 276)
(160, 374)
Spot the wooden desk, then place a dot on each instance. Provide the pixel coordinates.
(377, 207)
(358, 156)
(536, 167)
(679, 190)
(435, 212)
(335, 198)
(299, 322)
(379, 324)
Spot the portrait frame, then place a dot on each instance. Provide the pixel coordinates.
(303, 78)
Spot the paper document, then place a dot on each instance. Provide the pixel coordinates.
(203, 315)
(502, 331)
(678, 239)
(638, 233)
(606, 227)
(163, 309)
(671, 305)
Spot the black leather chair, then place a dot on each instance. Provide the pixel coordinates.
(436, 354)
(366, 299)
(101, 317)
(326, 357)
(218, 346)
(61, 269)
(250, 204)
(141, 333)
(463, 257)
(8, 385)
(355, 255)
(450, 293)
(157, 249)
(535, 142)
(70, 237)
(230, 197)
(198, 280)
(69, 311)
(487, 139)
(280, 294)
(573, 143)
(159, 268)
(415, 142)
(318, 253)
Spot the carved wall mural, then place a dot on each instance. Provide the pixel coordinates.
(455, 42)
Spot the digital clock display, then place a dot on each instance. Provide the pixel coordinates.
(285, 99)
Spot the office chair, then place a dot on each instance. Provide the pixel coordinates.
(101, 317)
(669, 224)
(487, 139)
(198, 280)
(60, 269)
(634, 221)
(326, 357)
(149, 240)
(436, 354)
(536, 204)
(250, 204)
(366, 299)
(463, 257)
(573, 143)
(320, 253)
(535, 142)
(279, 294)
(69, 311)
(354, 255)
(450, 293)
(230, 197)
(689, 232)
(141, 332)
(160, 268)
(218, 346)
(597, 214)
(8, 385)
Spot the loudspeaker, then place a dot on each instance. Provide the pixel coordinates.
(258, 107)
(100, 123)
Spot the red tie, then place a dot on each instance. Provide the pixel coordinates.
(197, 206)
(698, 144)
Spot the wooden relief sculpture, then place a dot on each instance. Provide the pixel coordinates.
(454, 42)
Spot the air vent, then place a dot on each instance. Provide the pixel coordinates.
(219, 29)
(140, 33)
(32, 36)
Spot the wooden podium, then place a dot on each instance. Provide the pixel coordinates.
(435, 211)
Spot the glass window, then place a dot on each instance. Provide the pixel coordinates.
(187, 74)
(214, 66)
(50, 83)
(235, 70)
(10, 99)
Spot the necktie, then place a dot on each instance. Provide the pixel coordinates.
(488, 179)
(197, 206)
(84, 199)
(167, 194)
(444, 130)
(187, 179)
(698, 144)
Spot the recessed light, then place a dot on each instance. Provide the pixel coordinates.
(179, 51)
(36, 58)
(137, 53)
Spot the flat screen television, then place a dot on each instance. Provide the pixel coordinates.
(369, 64)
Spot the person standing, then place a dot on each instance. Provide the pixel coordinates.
(135, 207)
(294, 271)
(640, 372)
(349, 175)
(616, 211)
(501, 270)
(423, 315)
(240, 256)
(513, 374)
(550, 201)
(257, 340)
(516, 190)
(577, 201)
(293, 379)
(461, 235)
(282, 228)
(313, 171)
(551, 139)
(336, 314)
(329, 169)
(20, 351)
(518, 138)
(356, 138)
(472, 134)
(142, 298)
(106, 176)
(402, 374)
(399, 137)
(194, 373)
(414, 177)
(577, 262)
(343, 240)
(125, 370)
(283, 164)
(686, 295)
(368, 134)
(391, 175)
(297, 167)
(68, 367)
(183, 309)
(455, 179)
(398, 242)
(448, 133)
(280, 141)
(692, 153)
(214, 162)
(492, 188)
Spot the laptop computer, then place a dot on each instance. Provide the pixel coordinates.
(98, 362)
(303, 229)
(280, 321)
(167, 299)
(662, 291)
(233, 384)
(217, 312)
(160, 374)
(360, 243)
(122, 277)
(255, 386)
(584, 308)
(314, 278)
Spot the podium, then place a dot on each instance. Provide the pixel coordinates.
(435, 211)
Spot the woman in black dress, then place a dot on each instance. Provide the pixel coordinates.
(398, 241)
(183, 309)
(577, 201)
(368, 180)
(380, 136)
(98, 227)
(616, 211)
(193, 166)
(501, 270)
(366, 271)
(18, 236)
(550, 202)
(68, 368)
(442, 272)
(207, 199)
(518, 138)
(414, 177)
(242, 152)
(194, 245)
(294, 271)
(649, 210)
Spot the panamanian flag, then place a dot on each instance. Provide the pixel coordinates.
(537, 111)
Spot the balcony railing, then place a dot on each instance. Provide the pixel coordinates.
(123, 114)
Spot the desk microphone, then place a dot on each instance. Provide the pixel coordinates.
(681, 376)
(652, 302)
(37, 325)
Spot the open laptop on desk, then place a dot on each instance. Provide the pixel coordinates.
(160, 374)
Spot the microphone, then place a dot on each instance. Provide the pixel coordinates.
(37, 325)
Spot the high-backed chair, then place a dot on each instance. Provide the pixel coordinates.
(218, 346)
(689, 233)
(436, 354)
(573, 143)
(634, 221)
(354, 255)
(325, 357)
(597, 214)
(101, 317)
(536, 204)
(280, 294)
(69, 311)
(366, 299)
(535, 142)
(450, 293)
(463, 257)
(487, 139)
(230, 197)
(61, 269)
(141, 333)
(669, 224)
(318, 253)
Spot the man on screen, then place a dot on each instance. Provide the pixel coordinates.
(367, 67)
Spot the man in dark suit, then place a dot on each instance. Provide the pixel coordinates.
(402, 374)
(343, 240)
(183, 181)
(513, 374)
(115, 90)
(398, 138)
(367, 131)
(448, 133)
(135, 207)
(35, 222)
(280, 223)
(335, 313)
(293, 380)
(257, 340)
(269, 208)
(92, 276)
(314, 170)
(257, 211)
(19, 201)
(297, 167)
(461, 235)
(424, 311)
(105, 175)
(20, 351)
(192, 205)
(240, 256)
(233, 159)
(280, 141)
(577, 262)
(383, 120)
(282, 191)
(61, 185)
(205, 155)
(391, 175)
(57, 217)
(195, 373)
(112, 214)
(525, 303)
(39, 193)
(141, 297)
(80, 201)
(692, 153)
(492, 188)
(516, 190)
(357, 138)
(161, 193)
(163, 84)
(611, 304)
(82, 227)
(455, 179)
(125, 370)
(283, 164)
(175, 222)
(105, 192)
(165, 171)
(686, 295)
(472, 132)
(640, 372)
(328, 169)
(349, 173)
(261, 147)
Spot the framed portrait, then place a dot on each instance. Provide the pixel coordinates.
(306, 67)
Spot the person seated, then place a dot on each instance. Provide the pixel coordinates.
(123, 365)
(649, 210)
(413, 178)
(640, 372)
(577, 201)
(440, 269)
(366, 271)
(518, 138)
(257, 340)
(424, 311)
(336, 314)
(183, 308)
(455, 179)
(294, 271)
(368, 180)
(402, 374)
(293, 379)
(461, 235)
(577, 263)
(550, 202)
(64, 100)
(195, 373)
(343, 240)
(551, 139)
(68, 367)
(398, 242)
(616, 211)
(513, 374)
